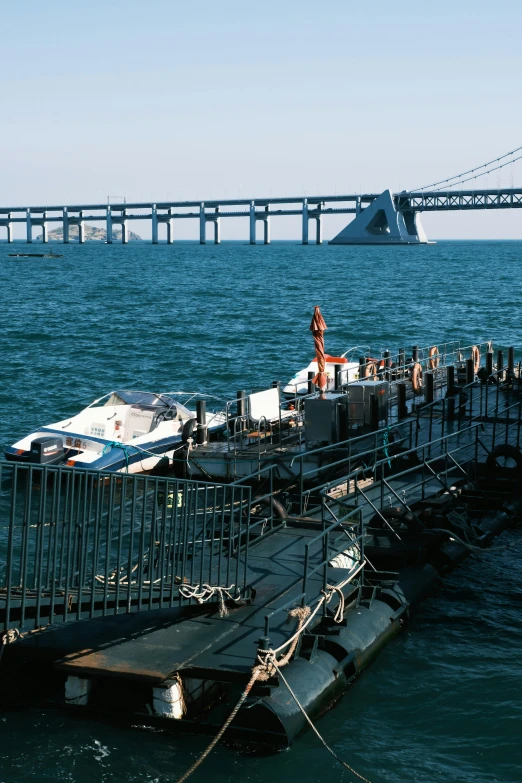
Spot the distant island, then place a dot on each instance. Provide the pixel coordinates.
(91, 233)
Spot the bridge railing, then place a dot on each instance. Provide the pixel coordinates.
(76, 544)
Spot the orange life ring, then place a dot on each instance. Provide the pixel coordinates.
(370, 371)
(416, 378)
(434, 358)
(475, 355)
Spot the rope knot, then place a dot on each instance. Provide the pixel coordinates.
(203, 593)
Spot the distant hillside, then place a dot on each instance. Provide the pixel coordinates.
(91, 234)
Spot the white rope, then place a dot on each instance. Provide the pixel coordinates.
(203, 593)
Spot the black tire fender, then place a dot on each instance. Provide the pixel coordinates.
(402, 517)
(504, 450)
(188, 429)
(278, 510)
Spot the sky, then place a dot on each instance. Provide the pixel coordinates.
(205, 100)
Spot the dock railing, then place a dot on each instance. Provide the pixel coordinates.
(431, 463)
(76, 544)
(344, 537)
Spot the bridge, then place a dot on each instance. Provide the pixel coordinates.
(380, 218)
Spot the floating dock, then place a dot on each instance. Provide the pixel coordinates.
(296, 548)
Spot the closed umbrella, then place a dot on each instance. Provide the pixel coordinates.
(318, 328)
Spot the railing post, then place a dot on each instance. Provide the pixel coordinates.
(387, 365)
(338, 381)
(311, 376)
(429, 394)
(402, 410)
(500, 365)
(201, 415)
(489, 365)
(402, 362)
(470, 371)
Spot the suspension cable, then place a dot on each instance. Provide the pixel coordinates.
(470, 171)
(495, 168)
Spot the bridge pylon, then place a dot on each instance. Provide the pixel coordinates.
(381, 223)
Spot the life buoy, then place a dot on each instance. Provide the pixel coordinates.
(416, 378)
(434, 359)
(370, 371)
(475, 355)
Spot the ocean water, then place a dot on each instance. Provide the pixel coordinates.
(444, 700)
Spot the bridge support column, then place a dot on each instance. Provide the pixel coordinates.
(319, 230)
(9, 229)
(45, 231)
(109, 226)
(305, 222)
(266, 226)
(252, 223)
(65, 226)
(124, 232)
(29, 226)
(202, 225)
(170, 229)
(154, 225)
(217, 239)
(81, 230)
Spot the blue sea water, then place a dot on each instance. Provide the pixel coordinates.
(444, 700)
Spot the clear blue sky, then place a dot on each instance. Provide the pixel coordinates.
(204, 99)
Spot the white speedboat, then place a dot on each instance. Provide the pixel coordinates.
(124, 431)
(298, 385)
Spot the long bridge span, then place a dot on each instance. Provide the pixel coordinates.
(380, 218)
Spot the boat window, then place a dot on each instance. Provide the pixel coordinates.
(108, 399)
(144, 398)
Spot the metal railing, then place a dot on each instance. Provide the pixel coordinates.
(343, 536)
(76, 544)
(433, 462)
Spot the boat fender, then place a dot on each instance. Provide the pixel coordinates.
(416, 378)
(434, 359)
(188, 429)
(504, 452)
(399, 518)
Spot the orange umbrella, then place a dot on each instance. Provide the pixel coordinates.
(318, 328)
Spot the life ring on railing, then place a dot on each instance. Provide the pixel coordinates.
(373, 367)
(434, 359)
(475, 355)
(416, 378)
(370, 370)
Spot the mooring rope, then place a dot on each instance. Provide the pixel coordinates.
(203, 593)
(309, 721)
(269, 665)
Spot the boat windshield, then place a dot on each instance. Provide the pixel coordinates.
(150, 399)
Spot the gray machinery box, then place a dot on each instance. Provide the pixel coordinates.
(360, 403)
(326, 417)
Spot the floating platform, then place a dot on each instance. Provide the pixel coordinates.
(154, 598)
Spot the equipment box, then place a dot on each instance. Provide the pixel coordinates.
(326, 417)
(362, 396)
